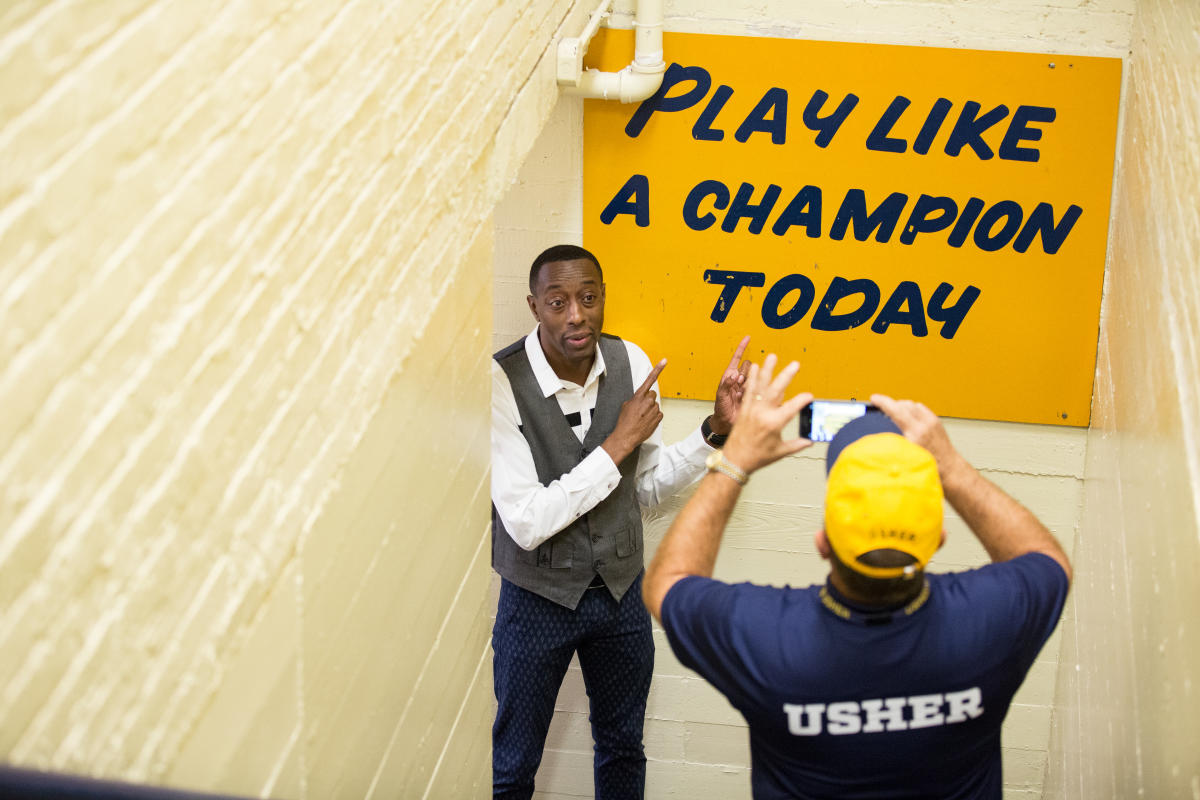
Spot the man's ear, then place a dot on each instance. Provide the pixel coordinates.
(822, 542)
(532, 301)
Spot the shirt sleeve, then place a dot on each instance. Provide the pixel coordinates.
(699, 616)
(664, 470)
(1030, 590)
(531, 512)
(1044, 584)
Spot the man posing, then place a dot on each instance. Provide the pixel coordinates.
(885, 682)
(576, 450)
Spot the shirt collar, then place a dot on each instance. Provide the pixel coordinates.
(548, 380)
(851, 611)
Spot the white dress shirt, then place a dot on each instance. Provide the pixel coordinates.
(531, 512)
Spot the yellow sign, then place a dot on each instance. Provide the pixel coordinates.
(924, 222)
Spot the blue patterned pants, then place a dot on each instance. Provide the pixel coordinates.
(532, 644)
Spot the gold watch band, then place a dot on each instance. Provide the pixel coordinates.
(718, 463)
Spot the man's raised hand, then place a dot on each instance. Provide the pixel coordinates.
(730, 390)
(920, 425)
(757, 438)
(639, 418)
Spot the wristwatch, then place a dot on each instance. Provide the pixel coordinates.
(717, 462)
(712, 439)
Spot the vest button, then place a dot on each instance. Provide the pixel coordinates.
(598, 563)
(595, 537)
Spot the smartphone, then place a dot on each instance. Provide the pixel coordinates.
(821, 419)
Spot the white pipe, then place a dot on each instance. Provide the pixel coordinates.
(638, 80)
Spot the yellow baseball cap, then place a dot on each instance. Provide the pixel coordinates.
(883, 492)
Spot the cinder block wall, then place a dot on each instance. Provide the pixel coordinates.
(696, 743)
(1129, 688)
(245, 317)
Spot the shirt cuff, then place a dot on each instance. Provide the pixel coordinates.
(694, 448)
(599, 471)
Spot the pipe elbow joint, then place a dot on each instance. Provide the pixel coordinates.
(630, 85)
(639, 84)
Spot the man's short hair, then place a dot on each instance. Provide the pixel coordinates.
(883, 503)
(559, 252)
(885, 591)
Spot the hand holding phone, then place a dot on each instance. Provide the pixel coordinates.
(821, 419)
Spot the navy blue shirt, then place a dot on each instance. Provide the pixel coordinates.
(845, 708)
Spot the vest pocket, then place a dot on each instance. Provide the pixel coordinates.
(629, 541)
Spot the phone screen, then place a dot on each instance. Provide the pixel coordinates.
(821, 419)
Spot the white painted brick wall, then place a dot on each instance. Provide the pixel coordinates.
(1126, 724)
(245, 315)
(696, 743)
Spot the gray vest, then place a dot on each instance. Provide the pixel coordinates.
(606, 540)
